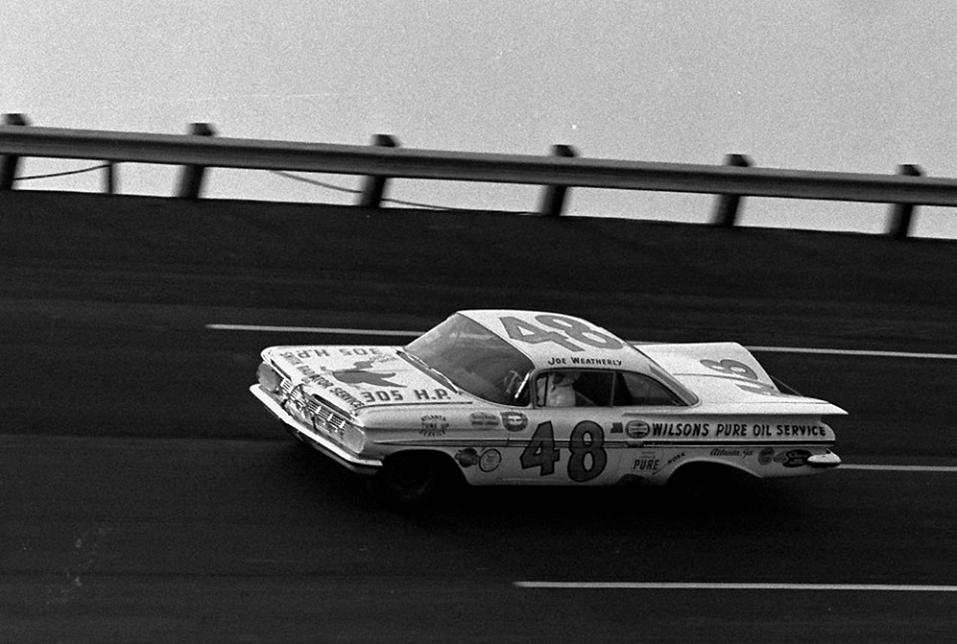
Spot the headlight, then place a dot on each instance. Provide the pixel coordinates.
(353, 438)
(268, 378)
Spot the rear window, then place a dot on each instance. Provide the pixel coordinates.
(637, 389)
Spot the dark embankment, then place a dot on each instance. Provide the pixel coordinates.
(657, 280)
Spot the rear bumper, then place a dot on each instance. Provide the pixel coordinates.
(830, 459)
(336, 452)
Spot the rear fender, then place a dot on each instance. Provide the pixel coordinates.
(714, 464)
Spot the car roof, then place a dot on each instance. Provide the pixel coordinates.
(559, 351)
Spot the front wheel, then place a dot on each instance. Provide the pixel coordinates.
(408, 480)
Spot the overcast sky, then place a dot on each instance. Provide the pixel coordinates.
(845, 85)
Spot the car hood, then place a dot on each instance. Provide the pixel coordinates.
(357, 377)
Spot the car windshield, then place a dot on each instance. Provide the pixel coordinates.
(475, 360)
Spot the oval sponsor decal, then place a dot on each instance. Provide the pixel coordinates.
(637, 429)
(793, 457)
(514, 421)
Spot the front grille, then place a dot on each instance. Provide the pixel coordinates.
(312, 411)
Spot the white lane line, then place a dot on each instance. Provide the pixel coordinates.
(411, 334)
(900, 468)
(858, 352)
(630, 585)
(311, 329)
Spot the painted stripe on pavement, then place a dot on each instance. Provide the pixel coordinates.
(632, 585)
(411, 334)
(900, 468)
(858, 352)
(311, 329)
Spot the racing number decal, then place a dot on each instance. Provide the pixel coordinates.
(747, 379)
(581, 468)
(540, 451)
(732, 367)
(567, 330)
(586, 446)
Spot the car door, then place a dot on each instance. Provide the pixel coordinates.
(642, 403)
(566, 437)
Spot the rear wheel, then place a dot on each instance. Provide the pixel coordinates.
(705, 483)
(408, 480)
(691, 484)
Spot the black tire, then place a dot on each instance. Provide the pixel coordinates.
(706, 484)
(408, 480)
(690, 485)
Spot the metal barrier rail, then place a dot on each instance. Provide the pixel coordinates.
(384, 159)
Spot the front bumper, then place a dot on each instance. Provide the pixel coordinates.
(336, 452)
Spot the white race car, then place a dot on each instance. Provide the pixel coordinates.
(534, 398)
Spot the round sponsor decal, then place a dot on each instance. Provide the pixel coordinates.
(766, 455)
(514, 421)
(434, 425)
(637, 429)
(490, 460)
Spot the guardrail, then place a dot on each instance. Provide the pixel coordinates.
(384, 160)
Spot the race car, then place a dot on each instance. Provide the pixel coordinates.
(515, 397)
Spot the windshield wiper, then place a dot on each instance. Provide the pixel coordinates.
(432, 371)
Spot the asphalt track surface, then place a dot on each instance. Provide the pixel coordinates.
(147, 497)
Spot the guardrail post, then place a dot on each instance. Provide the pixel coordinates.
(373, 186)
(109, 178)
(191, 177)
(727, 206)
(553, 197)
(10, 162)
(901, 214)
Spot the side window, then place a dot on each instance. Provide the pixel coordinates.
(572, 388)
(637, 389)
(516, 388)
